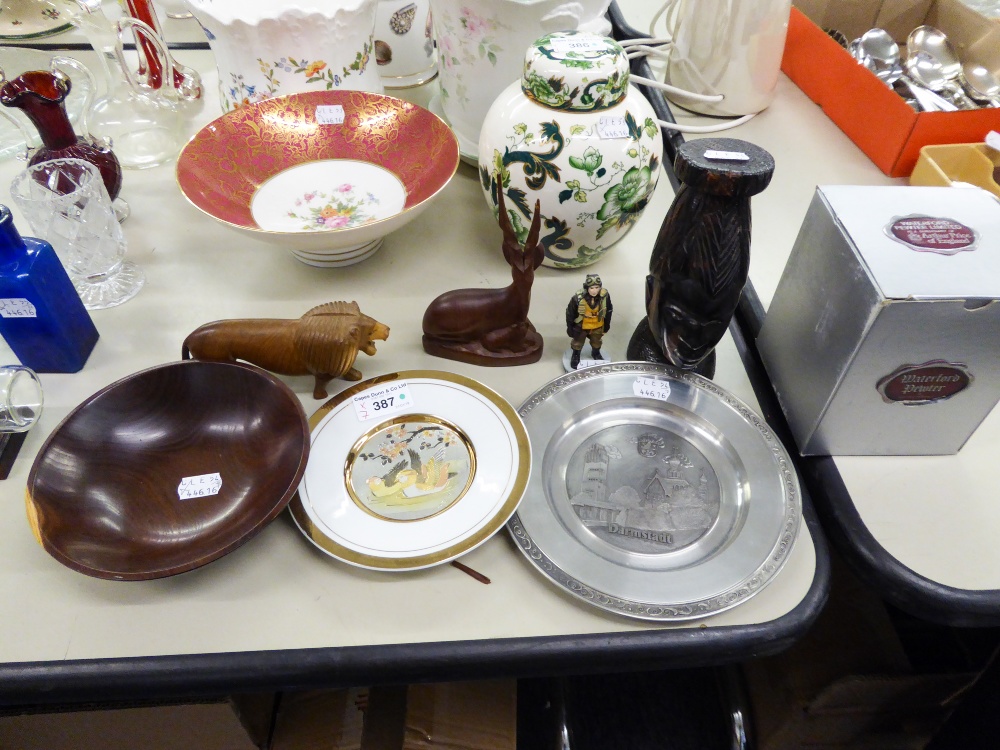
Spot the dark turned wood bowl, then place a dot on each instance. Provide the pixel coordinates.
(103, 494)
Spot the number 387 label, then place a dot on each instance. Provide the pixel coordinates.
(382, 400)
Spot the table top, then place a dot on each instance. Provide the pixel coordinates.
(920, 529)
(276, 612)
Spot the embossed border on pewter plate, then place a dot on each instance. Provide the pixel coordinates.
(668, 611)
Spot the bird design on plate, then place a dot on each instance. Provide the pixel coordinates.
(411, 470)
(413, 477)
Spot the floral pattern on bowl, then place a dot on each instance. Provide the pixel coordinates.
(336, 210)
(327, 195)
(30, 20)
(248, 167)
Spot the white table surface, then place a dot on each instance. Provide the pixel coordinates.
(934, 514)
(937, 515)
(278, 592)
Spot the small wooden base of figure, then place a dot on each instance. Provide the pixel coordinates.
(643, 347)
(529, 350)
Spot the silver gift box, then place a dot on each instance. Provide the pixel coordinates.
(883, 337)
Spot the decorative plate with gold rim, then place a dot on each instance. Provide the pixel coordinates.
(411, 470)
(655, 493)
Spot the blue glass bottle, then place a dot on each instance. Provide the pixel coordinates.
(41, 316)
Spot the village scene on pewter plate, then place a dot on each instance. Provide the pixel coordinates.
(642, 489)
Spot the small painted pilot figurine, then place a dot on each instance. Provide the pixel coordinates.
(588, 318)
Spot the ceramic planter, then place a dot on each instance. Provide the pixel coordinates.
(573, 135)
(265, 49)
(481, 47)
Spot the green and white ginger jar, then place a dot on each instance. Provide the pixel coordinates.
(573, 135)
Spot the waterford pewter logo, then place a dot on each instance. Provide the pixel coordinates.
(929, 234)
(914, 385)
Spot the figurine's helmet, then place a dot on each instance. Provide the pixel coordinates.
(592, 280)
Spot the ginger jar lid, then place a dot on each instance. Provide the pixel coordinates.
(575, 71)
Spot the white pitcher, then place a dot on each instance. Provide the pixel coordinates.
(481, 46)
(267, 48)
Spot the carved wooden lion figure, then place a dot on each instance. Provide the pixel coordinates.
(323, 343)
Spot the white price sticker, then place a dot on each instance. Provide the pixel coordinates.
(17, 307)
(202, 485)
(652, 388)
(382, 400)
(612, 127)
(584, 363)
(563, 45)
(993, 140)
(329, 114)
(727, 155)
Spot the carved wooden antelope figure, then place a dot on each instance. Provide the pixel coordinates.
(491, 326)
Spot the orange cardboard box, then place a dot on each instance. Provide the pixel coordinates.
(873, 116)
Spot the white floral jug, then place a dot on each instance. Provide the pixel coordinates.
(267, 48)
(573, 135)
(481, 47)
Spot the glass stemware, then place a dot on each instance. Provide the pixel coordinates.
(67, 205)
(20, 398)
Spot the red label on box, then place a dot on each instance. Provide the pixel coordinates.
(932, 234)
(913, 385)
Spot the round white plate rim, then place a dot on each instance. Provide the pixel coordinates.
(346, 510)
(506, 503)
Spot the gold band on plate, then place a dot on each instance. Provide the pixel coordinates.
(499, 518)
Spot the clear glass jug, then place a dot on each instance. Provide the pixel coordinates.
(143, 122)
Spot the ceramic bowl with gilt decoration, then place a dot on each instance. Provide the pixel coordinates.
(325, 174)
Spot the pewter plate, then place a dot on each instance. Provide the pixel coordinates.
(654, 493)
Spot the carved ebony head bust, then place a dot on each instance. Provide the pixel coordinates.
(701, 258)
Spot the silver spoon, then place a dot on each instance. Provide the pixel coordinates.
(932, 62)
(878, 51)
(981, 84)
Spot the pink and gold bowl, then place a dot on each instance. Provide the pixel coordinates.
(324, 174)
